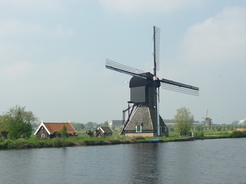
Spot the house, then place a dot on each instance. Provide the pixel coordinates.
(51, 130)
(104, 131)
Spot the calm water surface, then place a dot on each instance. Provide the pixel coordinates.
(208, 161)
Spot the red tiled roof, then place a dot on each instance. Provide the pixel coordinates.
(56, 127)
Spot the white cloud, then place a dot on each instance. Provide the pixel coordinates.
(37, 4)
(7, 50)
(60, 31)
(60, 73)
(147, 6)
(15, 72)
(15, 27)
(60, 90)
(218, 40)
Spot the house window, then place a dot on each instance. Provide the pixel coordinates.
(138, 128)
(42, 135)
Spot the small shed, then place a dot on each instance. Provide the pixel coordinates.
(51, 130)
(104, 131)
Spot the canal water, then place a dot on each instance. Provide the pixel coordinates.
(217, 161)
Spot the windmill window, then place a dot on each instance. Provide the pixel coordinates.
(138, 128)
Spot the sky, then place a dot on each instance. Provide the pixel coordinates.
(53, 53)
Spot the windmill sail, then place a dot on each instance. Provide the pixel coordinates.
(179, 87)
(112, 65)
(156, 39)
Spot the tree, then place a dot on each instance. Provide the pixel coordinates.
(218, 127)
(105, 124)
(183, 121)
(235, 122)
(91, 125)
(171, 129)
(78, 126)
(18, 122)
(90, 133)
(64, 132)
(199, 128)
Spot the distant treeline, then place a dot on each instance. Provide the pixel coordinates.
(87, 126)
(200, 128)
(171, 121)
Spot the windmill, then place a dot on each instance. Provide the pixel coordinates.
(143, 108)
(208, 120)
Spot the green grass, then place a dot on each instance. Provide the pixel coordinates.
(83, 139)
(207, 133)
(35, 143)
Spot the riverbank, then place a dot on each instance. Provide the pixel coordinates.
(116, 139)
(74, 141)
(93, 141)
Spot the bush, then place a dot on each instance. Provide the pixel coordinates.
(238, 134)
(64, 132)
(198, 135)
(4, 144)
(90, 133)
(17, 122)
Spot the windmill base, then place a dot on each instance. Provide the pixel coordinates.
(142, 123)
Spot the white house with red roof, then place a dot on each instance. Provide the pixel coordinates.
(51, 130)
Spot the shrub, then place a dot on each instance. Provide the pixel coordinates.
(198, 135)
(90, 133)
(238, 134)
(64, 132)
(4, 144)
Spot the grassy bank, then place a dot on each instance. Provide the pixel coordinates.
(78, 141)
(84, 140)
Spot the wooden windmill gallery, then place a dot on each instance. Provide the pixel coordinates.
(142, 117)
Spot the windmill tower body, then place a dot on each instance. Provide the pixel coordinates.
(143, 119)
(208, 121)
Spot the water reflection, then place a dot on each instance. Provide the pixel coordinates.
(145, 161)
(210, 161)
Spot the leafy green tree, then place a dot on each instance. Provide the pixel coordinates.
(218, 128)
(91, 125)
(90, 133)
(170, 128)
(64, 132)
(199, 128)
(105, 124)
(183, 121)
(77, 126)
(235, 122)
(18, 122)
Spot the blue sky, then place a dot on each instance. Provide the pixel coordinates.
(53, 52)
